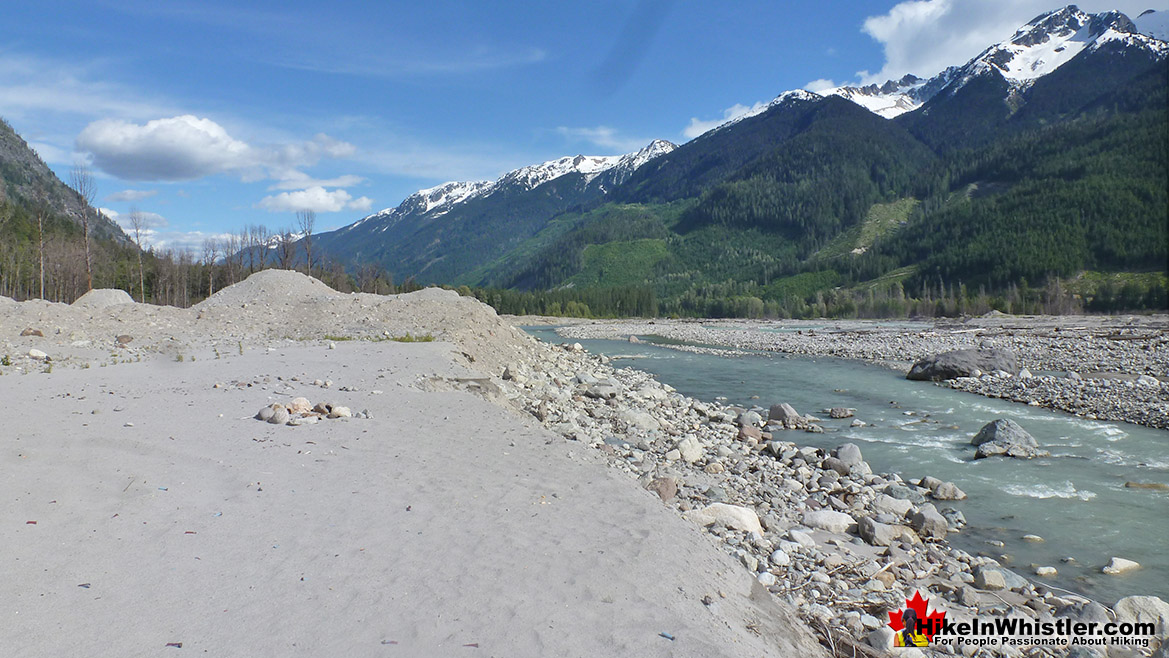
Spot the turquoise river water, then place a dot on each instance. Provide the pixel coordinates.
(1076, 499)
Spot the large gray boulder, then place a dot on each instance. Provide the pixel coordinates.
(963, 363)
(1005, 437)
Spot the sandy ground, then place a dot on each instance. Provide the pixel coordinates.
(145, 508)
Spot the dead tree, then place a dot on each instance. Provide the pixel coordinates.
(81, 180)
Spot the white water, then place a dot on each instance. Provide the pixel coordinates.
(1076, 499)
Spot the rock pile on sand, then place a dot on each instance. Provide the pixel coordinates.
(300, 411)
(103, 297)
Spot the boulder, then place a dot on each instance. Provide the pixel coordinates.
(837, 522)
(731, 516)
(32, 332)
(300, 406)
(989, 579)
(783, 412)
(962, 363)
(1005, 437)
(1145, 609)
(690, 449)
(666, 488)
(749, 419)
(896, 506)
(840, 412)
(850, 454)
(39, 355)
(928, 522)
(639, 419)
(1119, 565)
(279, 416)
(877, 534)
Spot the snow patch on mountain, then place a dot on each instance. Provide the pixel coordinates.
(788, 97)
(441, 199)
(1053, 39)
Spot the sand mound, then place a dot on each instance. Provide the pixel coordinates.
(103, 297)
(271, 286)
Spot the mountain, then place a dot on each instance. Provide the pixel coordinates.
(1060, 64)
(442, 233)
(1041, 157)
(28, 183)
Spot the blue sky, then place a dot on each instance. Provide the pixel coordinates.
(209, 115)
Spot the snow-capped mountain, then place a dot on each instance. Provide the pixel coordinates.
(441, 199)
(895, 97)
(1051, 40)
(787, 97)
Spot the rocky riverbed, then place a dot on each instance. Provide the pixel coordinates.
(819, 529)
(1095, 367)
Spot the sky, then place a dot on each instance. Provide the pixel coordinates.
(210, 115)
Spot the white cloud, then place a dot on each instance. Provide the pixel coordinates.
(177, 148)
(603, 137)
(820, 85)
(53, 155)
(314, 198)
(923, 37)
(131, 196)
(32, 87)
(157, 233)
(698, 126)
(187, 147)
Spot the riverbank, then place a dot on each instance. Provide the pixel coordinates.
(488, 495)
(1096, 367)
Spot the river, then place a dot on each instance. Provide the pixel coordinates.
(1075, 500)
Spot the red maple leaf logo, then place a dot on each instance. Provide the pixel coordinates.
(931, 622)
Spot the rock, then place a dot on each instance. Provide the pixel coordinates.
(714, 468)
(783, 412)
(750, 432)
(881, 639)
(802, 538)
(989, 579)
(1155, 486)
(829, 520)
(903, 492)
(840, 412)
(340, 412)
(1145, 609)
(1045, 571)
(690, 449)
(731, 516)
(39, 355)
(779, 558)
(1005, 437)
(849, 453)
(968, 596)
(929, 523)
(962, 363)
(949, 491)
(265, 414)
(1024, 374)
(300, 406)
(1119, 565)
(766, 579)
(1143, 380)
(639, 419)
(32, 332)
(279, 416)
(1034, 539)
(877, 534)
(749, 418)
(890, 505)
(834, 464)
(666, 488)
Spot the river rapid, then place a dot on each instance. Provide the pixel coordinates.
(1076, 499)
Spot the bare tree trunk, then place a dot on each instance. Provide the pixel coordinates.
(81, 180)
(41, 245)
(306, 219)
